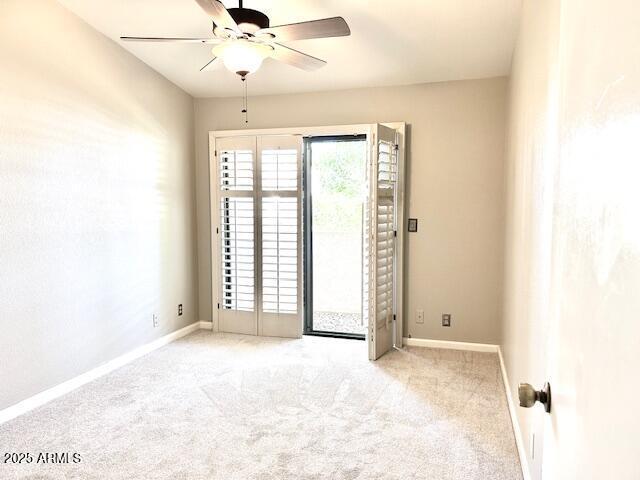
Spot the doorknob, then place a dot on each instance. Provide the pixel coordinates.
(529, 396)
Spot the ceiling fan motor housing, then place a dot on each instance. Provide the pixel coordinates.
(247, 17)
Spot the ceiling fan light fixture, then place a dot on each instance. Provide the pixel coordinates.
(248, 20)
(242, 56)
(248, 27)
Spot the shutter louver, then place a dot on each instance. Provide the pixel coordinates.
(387, 174)
(280, 184)
(280, 255)
(280, 170)
(387, 166)
(384, 261)
(236, 170)
(237, 255)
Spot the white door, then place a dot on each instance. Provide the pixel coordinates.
(259, 235)
(382, 251)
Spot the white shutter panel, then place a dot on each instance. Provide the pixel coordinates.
(382, 237)
(236, 234)
(281, 236)
(237, 253)
(385, 241)
(280, 255)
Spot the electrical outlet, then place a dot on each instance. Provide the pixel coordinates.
(156, 322)
(446, 319)
(180, 310)
(419, 316)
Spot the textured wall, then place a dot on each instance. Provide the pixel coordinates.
(572, 278)
(97, 218)
(455, 187)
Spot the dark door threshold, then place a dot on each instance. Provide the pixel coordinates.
(349, 336)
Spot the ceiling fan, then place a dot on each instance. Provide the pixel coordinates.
(243, 38)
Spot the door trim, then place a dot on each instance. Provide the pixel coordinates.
(515, 423)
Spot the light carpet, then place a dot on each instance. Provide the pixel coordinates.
(220, 406)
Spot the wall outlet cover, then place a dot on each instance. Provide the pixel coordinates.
(446, 319)
(419, 316)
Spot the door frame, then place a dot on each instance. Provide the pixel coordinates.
(339, 130)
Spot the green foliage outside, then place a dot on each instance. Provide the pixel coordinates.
(338, 186)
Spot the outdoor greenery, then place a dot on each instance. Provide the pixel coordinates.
(338, 191)
(338, 186)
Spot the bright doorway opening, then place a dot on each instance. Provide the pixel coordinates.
(335, 194)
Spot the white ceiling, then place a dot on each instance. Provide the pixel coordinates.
(392, 42)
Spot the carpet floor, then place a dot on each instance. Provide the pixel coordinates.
(220, 406)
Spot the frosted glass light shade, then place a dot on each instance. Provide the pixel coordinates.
(242, 56)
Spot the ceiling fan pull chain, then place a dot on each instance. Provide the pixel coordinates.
(245, 102)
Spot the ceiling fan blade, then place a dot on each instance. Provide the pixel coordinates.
(295, 58)
(327, 27)
(171, 39)
(219, 14)
(209, 64)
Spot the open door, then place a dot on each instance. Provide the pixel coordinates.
(381, 231)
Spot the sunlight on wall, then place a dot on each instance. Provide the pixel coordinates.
(602, 171)
(96, 204)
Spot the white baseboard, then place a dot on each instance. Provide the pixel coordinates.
(474, 347)
(517, 432)
(483, 347)
(70, 385)
(204, 325)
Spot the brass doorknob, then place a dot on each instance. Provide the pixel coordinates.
(529, 396)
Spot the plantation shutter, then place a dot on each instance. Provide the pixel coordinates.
(381, 230)
(281, 236)
(258, 228)
(236, 230)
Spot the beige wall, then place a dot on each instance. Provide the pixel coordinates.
(455, 189)
(97, 217)
(573, 234)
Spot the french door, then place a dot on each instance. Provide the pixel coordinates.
(257, 226)
(259, 235)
